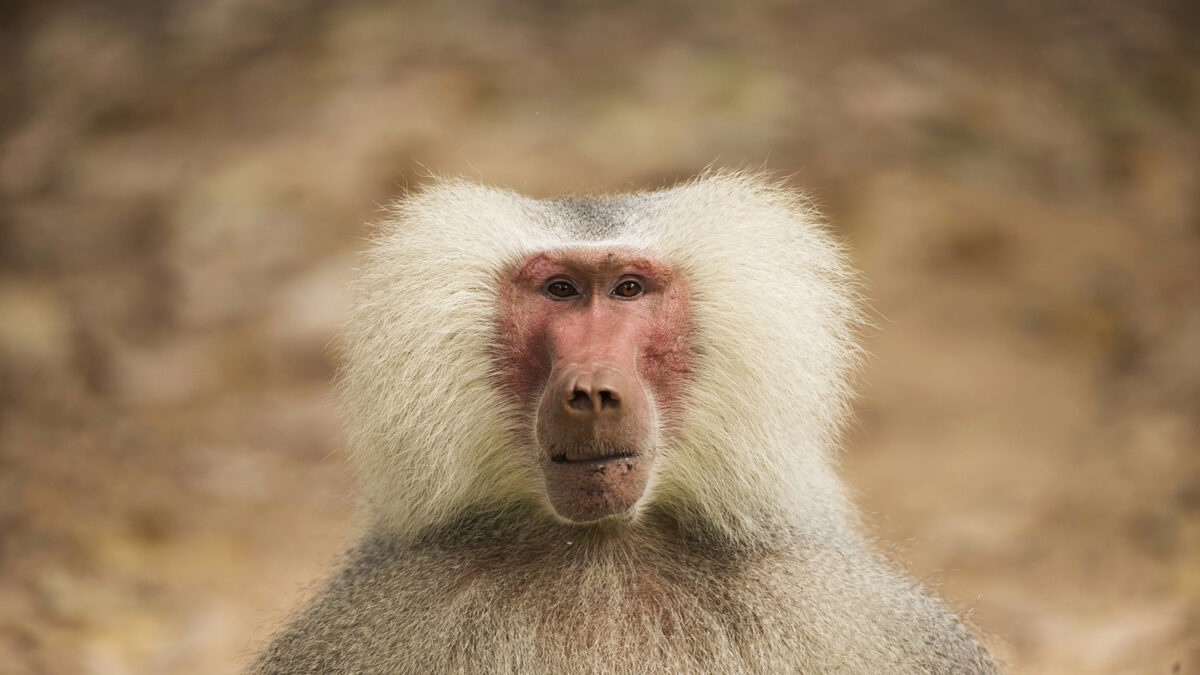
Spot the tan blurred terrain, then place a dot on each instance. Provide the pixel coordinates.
(183, 186)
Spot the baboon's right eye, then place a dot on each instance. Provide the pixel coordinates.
(561, 289)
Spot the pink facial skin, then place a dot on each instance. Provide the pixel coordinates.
(599, 340)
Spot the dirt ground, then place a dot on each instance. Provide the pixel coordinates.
(184, 184)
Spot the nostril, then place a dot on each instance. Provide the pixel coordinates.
(580, 401)
(609, 399)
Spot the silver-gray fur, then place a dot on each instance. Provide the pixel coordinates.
(742, 556)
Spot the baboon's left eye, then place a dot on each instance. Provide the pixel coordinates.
(628, 289)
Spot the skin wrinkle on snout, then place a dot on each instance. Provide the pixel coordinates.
(596, 457)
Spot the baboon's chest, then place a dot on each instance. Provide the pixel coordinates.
(624, 615)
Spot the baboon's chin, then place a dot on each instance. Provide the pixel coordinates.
(589, 485)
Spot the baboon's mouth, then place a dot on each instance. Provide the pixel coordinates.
(592, 485)
(585, 457)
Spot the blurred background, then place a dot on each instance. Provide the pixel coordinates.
(184, 185)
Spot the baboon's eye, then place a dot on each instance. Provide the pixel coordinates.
(628, 289)
(561, 289)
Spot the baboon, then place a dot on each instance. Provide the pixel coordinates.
(595, 434)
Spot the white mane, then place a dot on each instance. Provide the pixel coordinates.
(774, 323)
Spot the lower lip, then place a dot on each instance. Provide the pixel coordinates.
(591, 489)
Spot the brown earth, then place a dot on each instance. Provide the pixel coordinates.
(182, 187)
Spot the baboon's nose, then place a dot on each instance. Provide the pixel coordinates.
(593, 392)
(593, 410)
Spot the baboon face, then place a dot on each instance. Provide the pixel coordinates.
(594, 344)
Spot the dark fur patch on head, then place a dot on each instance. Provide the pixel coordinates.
(593, 218)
